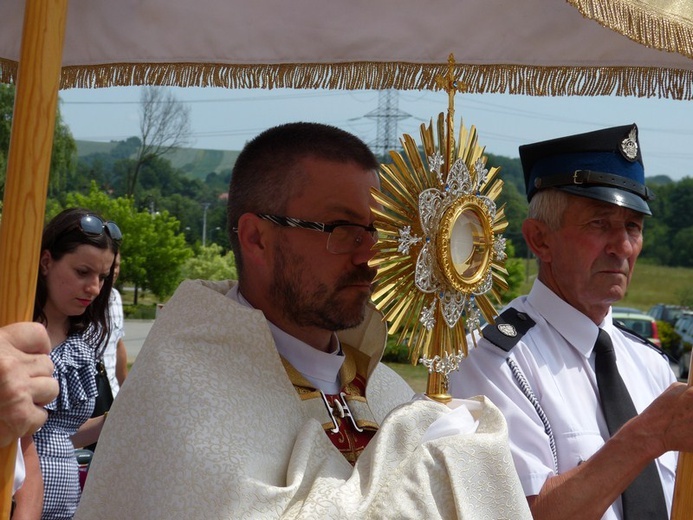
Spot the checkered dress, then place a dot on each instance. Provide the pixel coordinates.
(74, 362)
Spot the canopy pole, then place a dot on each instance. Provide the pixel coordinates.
(683, 487)
(28, 165)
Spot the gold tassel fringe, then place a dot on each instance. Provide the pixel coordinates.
(512, 79)
(658, 26)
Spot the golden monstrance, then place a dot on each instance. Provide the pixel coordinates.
(441, 256)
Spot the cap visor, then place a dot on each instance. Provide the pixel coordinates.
(615, 196)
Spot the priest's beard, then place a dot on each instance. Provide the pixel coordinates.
(309, 302)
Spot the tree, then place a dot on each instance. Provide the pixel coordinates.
(166, 254)
(682, 253)
(209, 264)
(667, 235)
(6, 108)
(63, 159)
(515, 207)
(153, 249)
(515, 276)
(64, 155)
(680, 202)
(164, 125)
(3, 170)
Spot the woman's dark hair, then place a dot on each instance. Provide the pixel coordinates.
(61, 236)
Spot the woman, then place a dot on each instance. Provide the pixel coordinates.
(74, 282)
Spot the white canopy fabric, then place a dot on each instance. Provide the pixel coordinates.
(535, 47)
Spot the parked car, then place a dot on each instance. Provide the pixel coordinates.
(684, 328)
(666, 312)
(631, 310)
(640, 323)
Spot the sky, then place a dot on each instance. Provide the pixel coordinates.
(223, 119)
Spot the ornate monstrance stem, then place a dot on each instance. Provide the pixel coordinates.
(441, 253)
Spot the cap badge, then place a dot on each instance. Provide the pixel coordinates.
(629, 146)
(507, 330)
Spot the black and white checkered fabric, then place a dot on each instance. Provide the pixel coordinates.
(74, 362)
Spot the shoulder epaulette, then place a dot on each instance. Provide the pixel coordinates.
(508, 329)
(641, 339)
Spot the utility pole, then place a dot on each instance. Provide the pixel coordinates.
(205, 207)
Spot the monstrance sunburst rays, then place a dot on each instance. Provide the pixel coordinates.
(441, 256)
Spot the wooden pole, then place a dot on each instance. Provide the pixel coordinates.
(28, 165)
(682, 507)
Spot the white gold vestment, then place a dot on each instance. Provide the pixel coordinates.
(208, 425)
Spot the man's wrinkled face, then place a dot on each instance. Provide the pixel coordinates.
(593, 253)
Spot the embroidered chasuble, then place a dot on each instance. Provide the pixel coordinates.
(209, 425)
(345, 417)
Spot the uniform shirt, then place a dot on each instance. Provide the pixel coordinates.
(555, 357)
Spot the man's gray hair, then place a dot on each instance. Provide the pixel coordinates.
(548, 206)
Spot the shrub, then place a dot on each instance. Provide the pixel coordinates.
(139, 312)
(669, 337)
(394, 352)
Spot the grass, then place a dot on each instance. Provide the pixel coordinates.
(416, 376)
(651, 284)
(143, 297)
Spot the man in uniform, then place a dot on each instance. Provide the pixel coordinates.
(547, 362)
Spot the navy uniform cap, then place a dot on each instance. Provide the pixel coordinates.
(604, 165)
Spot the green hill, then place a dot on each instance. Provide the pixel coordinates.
(85, 148)
(196, 163)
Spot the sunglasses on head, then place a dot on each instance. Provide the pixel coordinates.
(94, 226)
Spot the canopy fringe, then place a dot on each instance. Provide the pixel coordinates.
(512, 79)
(643, 22)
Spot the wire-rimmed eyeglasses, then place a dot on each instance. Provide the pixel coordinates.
(94, 226)
(343, 238)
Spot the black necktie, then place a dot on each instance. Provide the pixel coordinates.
(644, 498)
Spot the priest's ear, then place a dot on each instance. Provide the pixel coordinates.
(255, 237)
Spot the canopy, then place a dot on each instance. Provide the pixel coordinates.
(535, 47)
